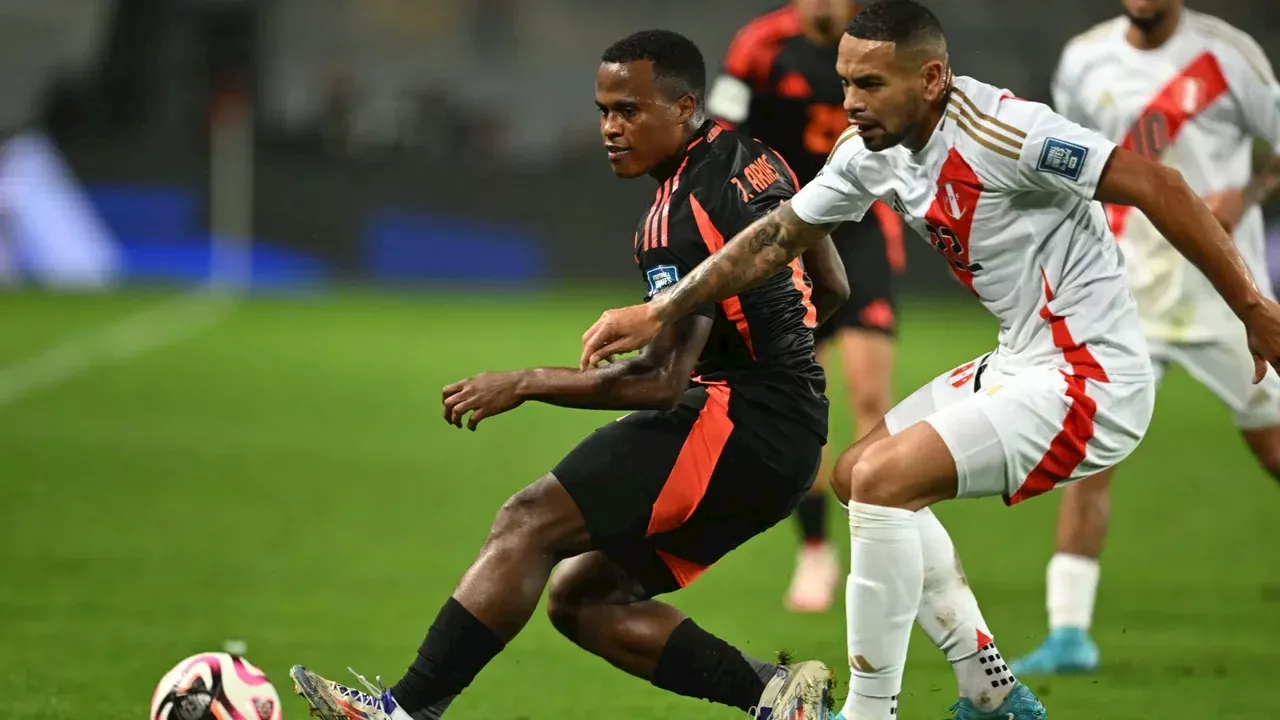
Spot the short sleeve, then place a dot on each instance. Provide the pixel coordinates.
(663, 267)
(836, 195)
(1253, 85)
(672, 246)
(1044, 151)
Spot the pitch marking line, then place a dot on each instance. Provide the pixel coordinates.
(160, 325)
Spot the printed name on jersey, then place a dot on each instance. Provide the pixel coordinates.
(1060, 157)
(661, 277)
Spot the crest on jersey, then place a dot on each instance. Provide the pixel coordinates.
(949, 199)
(661, 277)
(1060, 157)
(1190, 94)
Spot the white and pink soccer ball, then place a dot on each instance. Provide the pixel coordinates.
(215, 686)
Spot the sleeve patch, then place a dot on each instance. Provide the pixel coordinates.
(661, 277)
(1060, 157)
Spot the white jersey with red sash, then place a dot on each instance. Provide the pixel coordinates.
(1196, 104)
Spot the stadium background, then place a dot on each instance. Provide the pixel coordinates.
(392, 194)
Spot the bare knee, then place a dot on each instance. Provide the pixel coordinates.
(842, 475)
(911, 470)
(564, 603)
(585, 582)
(871, 479)
(540, 518)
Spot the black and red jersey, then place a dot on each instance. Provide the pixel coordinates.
(780, 87)
(761, 342)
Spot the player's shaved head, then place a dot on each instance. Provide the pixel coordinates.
(649, 89)
(678, 66)
(893, 63)
(912, 28)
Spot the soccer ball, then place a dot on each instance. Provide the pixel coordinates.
(215, 686)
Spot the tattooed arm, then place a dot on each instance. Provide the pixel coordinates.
(753, 255)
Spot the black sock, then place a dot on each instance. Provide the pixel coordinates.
(457, 648)
(697, 664)
(435, 712)
(812, 515)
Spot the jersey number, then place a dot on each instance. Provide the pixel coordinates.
(949, 245)
(1151, 135)
(824, 126)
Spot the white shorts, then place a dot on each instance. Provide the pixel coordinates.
(1021, 433)
(1226, 368)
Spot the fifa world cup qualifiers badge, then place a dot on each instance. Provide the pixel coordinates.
(1060, 157)
(662, 277)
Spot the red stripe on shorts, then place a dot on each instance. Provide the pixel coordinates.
(687, 483)
(1070, 446)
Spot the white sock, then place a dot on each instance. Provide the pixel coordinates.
(949, 615)
(882, 596)
(1072, 588)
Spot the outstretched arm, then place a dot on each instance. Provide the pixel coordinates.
(652, 380)
(1185, 221)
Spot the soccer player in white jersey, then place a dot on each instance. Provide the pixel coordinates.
(1005, 189)
(1186, 89)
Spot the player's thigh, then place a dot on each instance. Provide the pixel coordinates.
(751, 489)
(1053, 429)
(618, 473)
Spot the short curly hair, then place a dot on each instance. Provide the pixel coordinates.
(677, 63)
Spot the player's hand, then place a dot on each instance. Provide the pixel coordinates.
(484, 396)
(1228, 207)
(618, 332)
(1263, 325)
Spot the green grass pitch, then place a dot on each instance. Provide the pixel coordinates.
(284, 477)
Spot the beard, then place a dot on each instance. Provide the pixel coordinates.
(1146, 24)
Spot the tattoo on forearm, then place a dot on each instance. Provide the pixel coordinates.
(756, 253)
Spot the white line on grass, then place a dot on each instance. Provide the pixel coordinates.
(152, 328)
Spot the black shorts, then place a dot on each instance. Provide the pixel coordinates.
(665, 495)
(867, 252)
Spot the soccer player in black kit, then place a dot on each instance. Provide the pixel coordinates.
(779, 84)
(727, 434)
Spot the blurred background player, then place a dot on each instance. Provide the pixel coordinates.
(1191, 91)
(779, 84)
